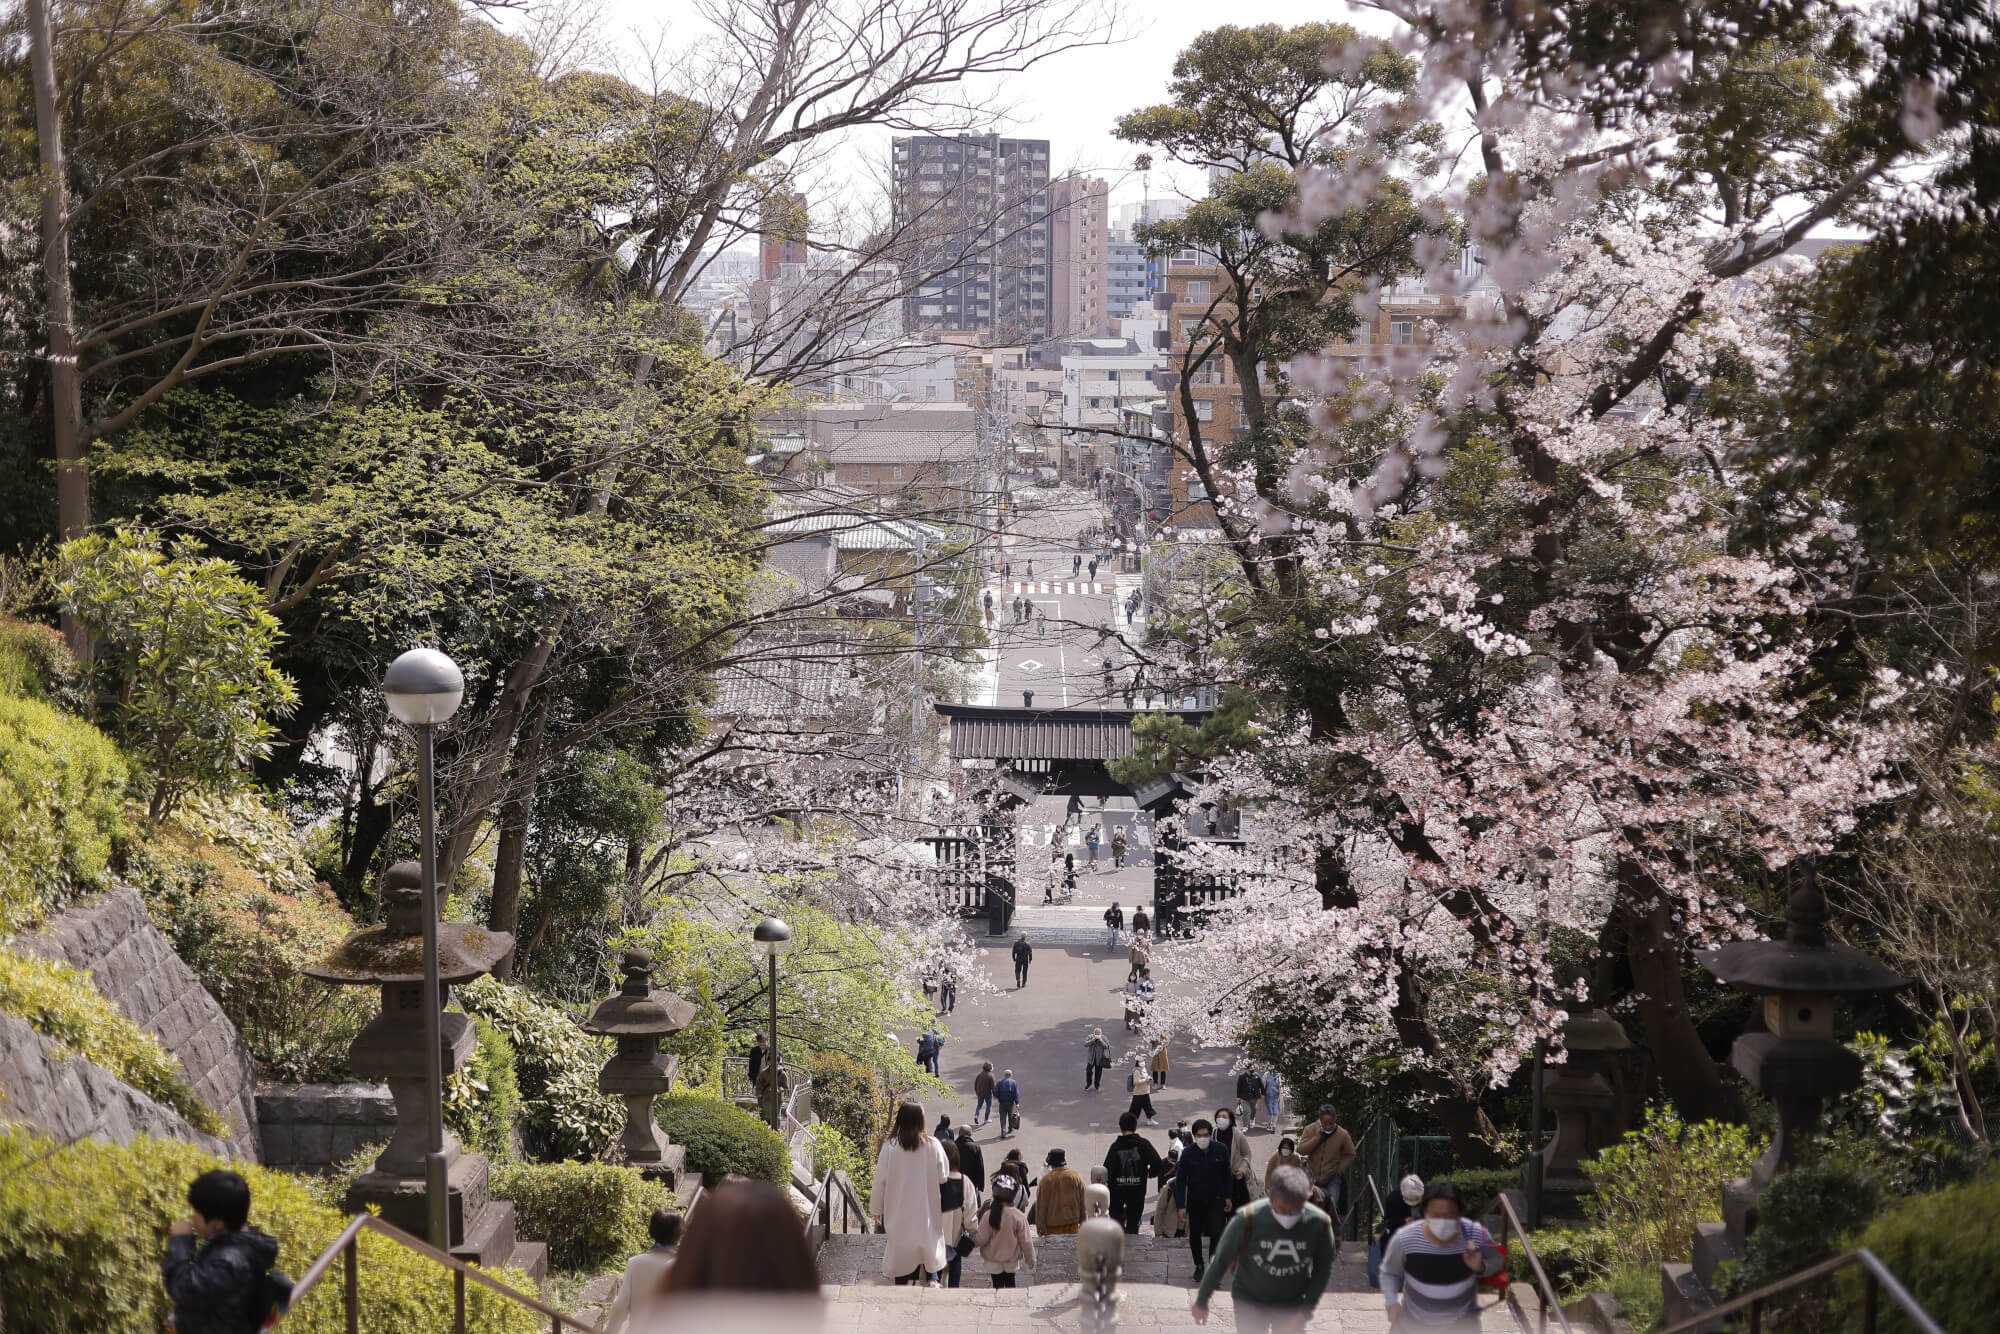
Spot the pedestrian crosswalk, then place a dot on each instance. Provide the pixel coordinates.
(1056, 588)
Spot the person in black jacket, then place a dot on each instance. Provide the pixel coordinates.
(1130, 1164)
(1201, 1188)
(1024, 954)
(217, 1271)
(1250, 1093)
(971, 1160)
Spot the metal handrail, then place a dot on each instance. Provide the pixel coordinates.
(1879, 1277)
(347, 1247)
(821, 1211)
(1545, 1291)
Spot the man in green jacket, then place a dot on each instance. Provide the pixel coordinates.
(1282, 1248)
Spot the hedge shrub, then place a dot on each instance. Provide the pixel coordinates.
(60, 1002)
(62, 810)
(82, 1229)
(593, 1215)
(482, 1100)
(850, 1096)
(1808, 1214)
(833, 1151)
(557, 1063)
(1576, 1259)
(225, 881)
(35, 663)
(1656, 1183)
(1945, 1249)
(1481, 1186)
(721, 1137)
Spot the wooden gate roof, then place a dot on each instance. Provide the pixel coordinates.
(983, 732)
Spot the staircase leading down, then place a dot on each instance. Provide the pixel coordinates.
(1156, 1289)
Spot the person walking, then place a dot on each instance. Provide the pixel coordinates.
(1159, 1061)
(1041, 623)
(1141, 923)
(1027, 610)
(1024, 954)
(1136, 957)
(1329, 1151)
(1282, 1250)
(982, 1093)
(218, 1270)
(905, 1201)
(1059, 1208)
(1432, 1266)
(1272, 1092)
(1130, 1165)
(1075, 564)
(1090, 842)
(1017, 608)
(1140, 1081)
(1249, 1096)
(1118, 845)
(948, 990)
(1008, 1094)
(1003, 1236)
(1114, 922)
(756, 1059)
(1031, 569)
(971, 1159)
(1201, 1189)
(1398, 1209)
(1069, 875)
(958, 1210)
(1231, 1136)
(1286, 1156)
(1096, 1056)
(644, 1273)
(1167, 1214)
(927, 1051)
(1093, 567)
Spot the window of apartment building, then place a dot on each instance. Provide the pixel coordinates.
(896, 473)
(1190, 330)
(1197, 291)
(864, 474)
(1204, 410)
(1402, 332)
(1096, 402)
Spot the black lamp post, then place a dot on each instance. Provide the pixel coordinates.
(773, 937)
(423, 688)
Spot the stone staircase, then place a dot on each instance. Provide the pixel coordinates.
(1155, 1290)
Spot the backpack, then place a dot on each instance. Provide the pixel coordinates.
(951, 1194)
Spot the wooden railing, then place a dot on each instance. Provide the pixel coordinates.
(1545, 1292)
(1877, 1280)
(346, 1248)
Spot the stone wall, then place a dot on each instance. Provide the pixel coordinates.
(70, 1098)
(135, 967)
(310, 1127)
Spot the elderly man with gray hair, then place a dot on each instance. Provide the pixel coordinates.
(1282, 1248)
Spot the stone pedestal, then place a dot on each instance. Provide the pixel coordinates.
(637, 1016)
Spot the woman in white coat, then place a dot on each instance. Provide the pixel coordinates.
(905, 1202)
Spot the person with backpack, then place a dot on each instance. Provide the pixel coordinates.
(1432, 1265)
(958, 1205)
(1096, 1057)
(1130, 1165)
(1114, 922)
(1249, 1095)
(1282, 1251)
(218, 1270)
(928, 1047)
(1201, 1188)
(1008, 1094)
(982, 1093)
(1024, 954)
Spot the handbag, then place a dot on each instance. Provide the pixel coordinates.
(963, 1246)
(1017, 1122)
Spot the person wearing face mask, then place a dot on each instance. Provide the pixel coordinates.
(1201, 1189)
(1432, 1267)
(1282, 1249)
(1232, 1138)
(1398, 1209)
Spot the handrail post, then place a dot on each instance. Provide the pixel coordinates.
(1868, 1304)
(351, 1283)
(458, 1301)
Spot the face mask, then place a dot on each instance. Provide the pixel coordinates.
(1442, 1230)
(1222, 1123)
(1287, 1220)
(1201, 1141)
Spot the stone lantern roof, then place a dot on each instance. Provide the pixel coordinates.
(635, 1009)
(394, 950)
(1805, 961)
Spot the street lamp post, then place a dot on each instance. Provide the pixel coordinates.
(773, 937)
(423, 688)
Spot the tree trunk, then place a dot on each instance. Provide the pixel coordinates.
(504, 913)
(494, 758)
(65, 375)
(1653, 951)
(1472, 1132)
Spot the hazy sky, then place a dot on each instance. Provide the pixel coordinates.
(1074, 99)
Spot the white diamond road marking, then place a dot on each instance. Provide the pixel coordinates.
(1030, 665)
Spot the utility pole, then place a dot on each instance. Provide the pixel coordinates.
(917, 586)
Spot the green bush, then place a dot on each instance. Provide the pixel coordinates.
(35, 663)
(225, 882)
(62, 809)
(835, 1152)
(1481, 1186)
(1576, 1259)
(1654, 1185)
(557, 1063)
(721, 1137)
(593, 1215)
(61, 1003)
(1636, 1288)
(482, 1100)
(82, 1229)
(1808, 1214)
(1944, 1248)
(851, 1097)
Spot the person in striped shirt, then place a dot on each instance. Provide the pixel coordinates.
(1431, 1270)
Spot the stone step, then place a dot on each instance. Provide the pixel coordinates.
(856, 1261)
(490, 1237)
(532, 1258)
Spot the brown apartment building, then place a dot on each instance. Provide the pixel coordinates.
(1079, 255)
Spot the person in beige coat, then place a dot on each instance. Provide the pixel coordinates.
(1160, 1064)
(1059, 1208)
(1003, 1236)
(1286, 1156)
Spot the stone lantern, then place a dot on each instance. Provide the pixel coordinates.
(1580, 1094)
(639, 1017)
(1793, 1058)
(391, 1048)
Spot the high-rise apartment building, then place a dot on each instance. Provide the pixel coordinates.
(1079, 255)
(781, 234)
(1126, 290)
(973, 233)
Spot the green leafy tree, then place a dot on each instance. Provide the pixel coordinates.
(184, 674)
